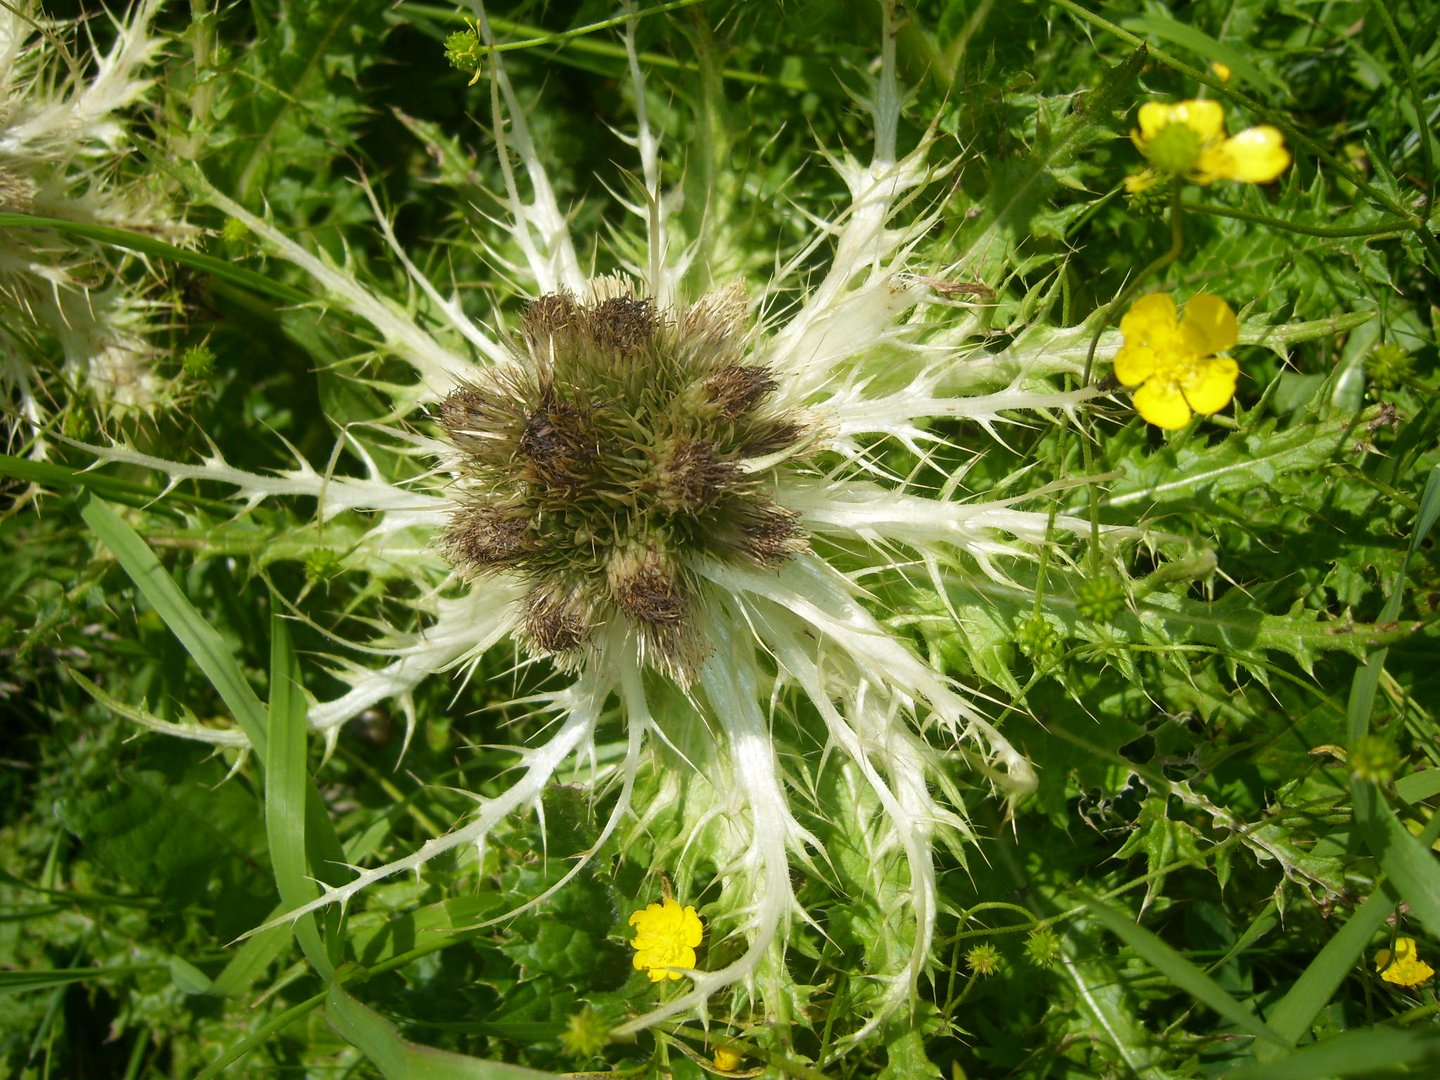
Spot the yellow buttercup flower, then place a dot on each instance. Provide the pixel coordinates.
(1187, 140)
(1403, 967)
(665, 937)
(726, 1060)
(1173, 359)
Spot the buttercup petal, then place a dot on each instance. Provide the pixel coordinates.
(1210, 384)
(1208, 325)
(1404, 967)
(1206, 118)
(1255, 156)
(1161, 403)
(1134, 364)
(665, 937)
(1150, 316)
(1153, 116)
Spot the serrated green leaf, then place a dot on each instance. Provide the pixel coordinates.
(170, 838)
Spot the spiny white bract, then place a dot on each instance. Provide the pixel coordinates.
(683, 500)
(63, 133)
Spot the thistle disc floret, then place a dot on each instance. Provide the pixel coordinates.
(622, 445)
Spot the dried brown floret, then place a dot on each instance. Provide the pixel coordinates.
(488, 536)
(621, 324)
(547, 316)
(560, 441)
(645, 587)
(736, 389)
(693, 477)
(770, 534)
(557, 620)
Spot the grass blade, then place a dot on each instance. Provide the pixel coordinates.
(1181, 972)
(1407, 862)
(200, 639)
(397, 1059)
(1292, 1018)
(1355, 1053)
(286, 782)
(149, 245)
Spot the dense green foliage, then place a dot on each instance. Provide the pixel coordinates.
(1227, 687)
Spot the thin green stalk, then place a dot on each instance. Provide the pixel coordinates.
(234, 1053)
(1389, 227)
(1107, 316)
(539, 37)
(137, 1055)
(1087, 460)
(1417, 101)
(148, 245)
(546, 37)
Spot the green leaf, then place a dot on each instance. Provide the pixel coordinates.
(1417, 787)
(1020, 189)
(189, 979)
(380, 936)
(1164, 842)
(16, 982)
(1106, 1007)
(1192, 474)
(171, 835)
(905, 1059)
(253, 958)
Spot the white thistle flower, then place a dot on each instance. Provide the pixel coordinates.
(682, 500)
(63, 136)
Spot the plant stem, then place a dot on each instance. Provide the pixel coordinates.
(1389, 227)
(1177, 245)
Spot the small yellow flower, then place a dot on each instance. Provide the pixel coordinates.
(1172, 360)
(727, 1060)
(1187, 140)
(665, 937)
(1403, 967)
(1222, 71)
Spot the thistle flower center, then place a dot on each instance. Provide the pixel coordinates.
(622, 445)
